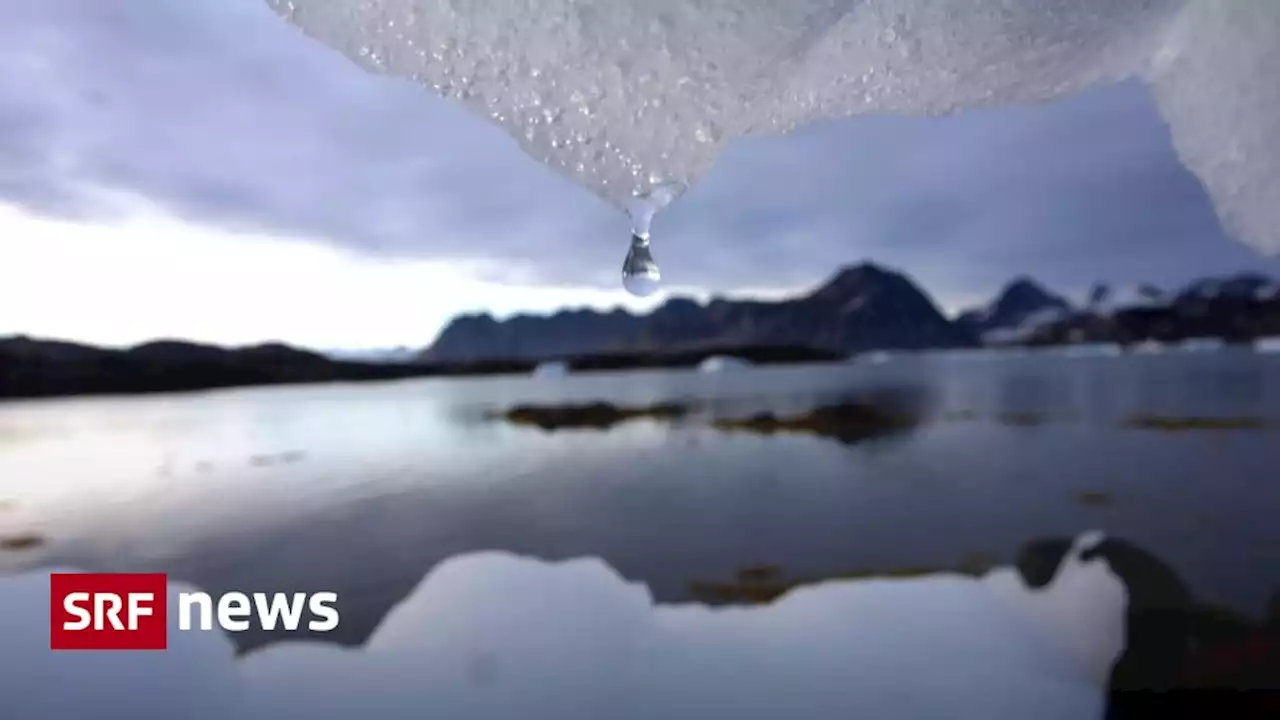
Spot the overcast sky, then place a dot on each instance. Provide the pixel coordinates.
(200, 169)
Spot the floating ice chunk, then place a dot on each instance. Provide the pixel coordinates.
(1201, 345)
(722, 363)
(551, 369)
(623, 95)
(877, 357)
(1148, 347)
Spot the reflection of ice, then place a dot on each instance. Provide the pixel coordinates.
(496, 636)
(623, 96)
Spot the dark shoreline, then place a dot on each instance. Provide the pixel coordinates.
(34, 369)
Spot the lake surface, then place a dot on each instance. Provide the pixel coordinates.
(488, 570)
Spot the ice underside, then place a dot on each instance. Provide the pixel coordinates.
(622, 94)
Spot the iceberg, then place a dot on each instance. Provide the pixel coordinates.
(625, 95)
(722, 363)
(553, 368)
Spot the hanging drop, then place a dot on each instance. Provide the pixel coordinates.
(640, 273)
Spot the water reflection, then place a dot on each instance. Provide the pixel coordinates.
(494, 635)
(1069, 632)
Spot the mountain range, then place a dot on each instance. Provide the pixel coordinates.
(860, 308)
(34, 367)
(867, 307)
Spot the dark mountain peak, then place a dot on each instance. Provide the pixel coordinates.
(862, 269)
(31, 348)
(165, 345)
(677, 309)
(279, 352)
(854, 281)
(1022, 285)
(680, 304)
(1023, 293)
(1020, 298)
(857, 274)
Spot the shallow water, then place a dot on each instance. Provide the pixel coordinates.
(368, 489)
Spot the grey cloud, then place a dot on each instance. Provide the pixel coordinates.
(226, 115)
(1073, 192)
(223, 113)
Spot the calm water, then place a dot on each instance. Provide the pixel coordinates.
(442, 534)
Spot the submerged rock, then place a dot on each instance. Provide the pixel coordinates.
(24, 541)
(1183, 424)
(847, 422)
(599, 415)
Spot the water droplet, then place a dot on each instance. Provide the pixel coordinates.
(640, 274)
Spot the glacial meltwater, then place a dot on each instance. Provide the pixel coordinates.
(975, 563)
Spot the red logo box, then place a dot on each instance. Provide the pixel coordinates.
(108, 611)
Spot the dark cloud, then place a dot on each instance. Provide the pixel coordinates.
(226, 115)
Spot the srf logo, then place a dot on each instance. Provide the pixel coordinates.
(108, 611)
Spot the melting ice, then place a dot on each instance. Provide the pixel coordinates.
(622, 95)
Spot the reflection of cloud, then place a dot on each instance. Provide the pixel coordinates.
(494, 635)
(192, 680)
(131, 473)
